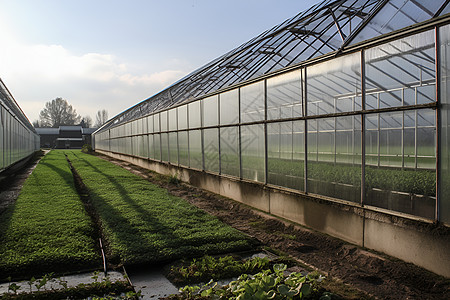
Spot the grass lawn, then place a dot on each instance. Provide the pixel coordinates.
(47, 229)
(143, 223)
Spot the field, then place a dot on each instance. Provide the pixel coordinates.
(142, 223)
(48, 229)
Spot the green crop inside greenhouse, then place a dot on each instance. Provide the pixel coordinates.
(346, 102)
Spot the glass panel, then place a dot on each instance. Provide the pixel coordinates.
(211, 111)
(284, 96)
(143, 149)
(400, 172)
(252, 102)
(446, 10)
(195, 149)
(397, 14)
(391, 139)
(426, 139)
(173, 119)
(128, 145)
(229, 107)
(151, 146)
(229, 151)
(156, 123)
(252, 152)
(135, 145)
(173, 148)
(128, 129)
(286, 154)
(401, 72)
(334, 86)
(444, 39)
(334, 157)
(182, 117)
(211, 149)
(164, 147)
(150, 124)
(164, 120)
(195, 115)
(157, 146)
(183, 148)
(134, 127)
(144, 127)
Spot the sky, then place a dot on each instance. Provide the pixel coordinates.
(109, 54)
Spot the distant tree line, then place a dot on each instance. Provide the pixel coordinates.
(58, 112)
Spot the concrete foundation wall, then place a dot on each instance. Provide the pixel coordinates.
(410, 240)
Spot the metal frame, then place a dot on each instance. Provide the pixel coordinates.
(276, 36)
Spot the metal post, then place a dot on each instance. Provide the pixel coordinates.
(305, 107)
(188, 134)
(363, 130)
(201, 135)
(240, 135)
(218, 123)
(438, 125)
(403, 130)
(266, 170)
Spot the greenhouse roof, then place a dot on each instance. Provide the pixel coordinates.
(10, 103)
(326, 27)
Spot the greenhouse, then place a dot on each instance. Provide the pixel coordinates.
(337, 119)
(18, 138)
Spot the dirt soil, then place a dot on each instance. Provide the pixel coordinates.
(11, 184)
(355, 272)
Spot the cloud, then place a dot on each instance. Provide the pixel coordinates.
(36, 74)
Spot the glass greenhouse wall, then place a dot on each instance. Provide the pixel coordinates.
(18, 138)
(364, 127)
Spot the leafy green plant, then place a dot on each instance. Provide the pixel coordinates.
(174, 179)
(95, 290)
(13, 287)
(47, 229)
(43, 281)
(87, 148)
(209, 267)
(263, 285)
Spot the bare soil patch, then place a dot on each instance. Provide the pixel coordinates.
(11, 184)
(355, 272)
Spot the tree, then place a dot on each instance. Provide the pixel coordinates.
(86, 122)
(58, 112)
(36, 124)
(101, 117)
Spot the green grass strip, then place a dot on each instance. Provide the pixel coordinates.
(143, 223)
(47, 229)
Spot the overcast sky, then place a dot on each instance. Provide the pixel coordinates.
(108, 54)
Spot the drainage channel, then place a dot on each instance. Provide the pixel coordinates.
(85, 199)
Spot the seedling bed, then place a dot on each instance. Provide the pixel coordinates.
(142, 223)
(47, 229)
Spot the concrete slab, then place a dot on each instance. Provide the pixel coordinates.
(59, 282)
(152, 284)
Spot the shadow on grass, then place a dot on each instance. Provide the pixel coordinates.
(125, 234)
